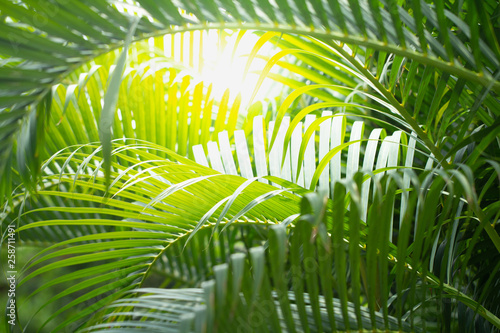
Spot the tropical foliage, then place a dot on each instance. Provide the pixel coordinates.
(100, 110)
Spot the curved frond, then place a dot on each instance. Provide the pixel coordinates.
(151, 206)
(42, 58)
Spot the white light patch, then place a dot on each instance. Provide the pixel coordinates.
(220, 62)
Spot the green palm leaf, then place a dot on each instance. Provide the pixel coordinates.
(346, 26)
(122, 222)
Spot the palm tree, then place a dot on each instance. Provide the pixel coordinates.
(136, 236)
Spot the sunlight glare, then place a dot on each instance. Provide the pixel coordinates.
(222, 65)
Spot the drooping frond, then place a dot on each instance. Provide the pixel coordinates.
(45, 43)
(115, 235)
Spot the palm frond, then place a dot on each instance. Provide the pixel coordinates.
(396, 32)
(326, 289)
(148, 209)
(410, 243)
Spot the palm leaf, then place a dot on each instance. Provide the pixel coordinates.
(134, 222)
(298, 256)
(426, 69)
(346, 26)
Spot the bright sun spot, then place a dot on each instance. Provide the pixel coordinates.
(221, 61)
